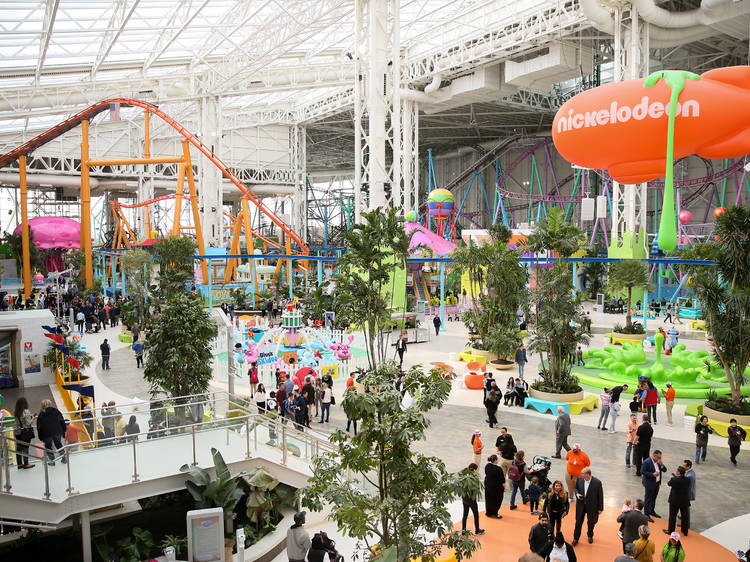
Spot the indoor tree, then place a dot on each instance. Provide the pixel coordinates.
(627, 275)
(496, 269)
(178, 359)
(724, 293)
(138, 266)
(175, 258)
(403, 500)
(375, 255)
(593, 273)
(558, 326)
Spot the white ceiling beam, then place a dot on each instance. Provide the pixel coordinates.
(50, 13)
(301, 20)
(181, 12)
(238, 16)
(121, 14)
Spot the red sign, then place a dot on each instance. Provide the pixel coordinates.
(28, 346)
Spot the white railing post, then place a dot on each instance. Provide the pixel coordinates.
(195, 460)
(70, 489)
(135, 464)
(247, 437)
(6, 462)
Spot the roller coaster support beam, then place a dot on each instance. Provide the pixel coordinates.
(25, 246)
(194, 206)
(86, 206)
(249, 244)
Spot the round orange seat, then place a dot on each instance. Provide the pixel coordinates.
(476, 366)
(474, 381)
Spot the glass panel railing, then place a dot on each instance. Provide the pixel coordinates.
(173, 437)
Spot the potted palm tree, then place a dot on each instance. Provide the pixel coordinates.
(627, 275)
(558, 327)
(493, 320)
(723, 292)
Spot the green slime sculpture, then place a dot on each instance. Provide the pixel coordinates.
(675, 79)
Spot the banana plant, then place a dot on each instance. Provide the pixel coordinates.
(260, 484)
(224, 491)
(675, 79)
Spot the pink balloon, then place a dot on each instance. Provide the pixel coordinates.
(685, 217)
(54, 232)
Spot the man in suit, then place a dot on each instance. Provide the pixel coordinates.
(631, 520)
(589, 504)
(679, 500)
(651, 471)
(643, 436)
(562, 431)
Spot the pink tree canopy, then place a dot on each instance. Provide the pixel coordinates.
(54, 232)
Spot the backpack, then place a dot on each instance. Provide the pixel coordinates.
(513, 473)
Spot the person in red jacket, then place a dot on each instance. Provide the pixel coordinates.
(651, 401)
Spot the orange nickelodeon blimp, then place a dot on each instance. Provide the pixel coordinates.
(622, 127)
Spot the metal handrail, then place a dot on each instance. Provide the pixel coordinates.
(315, 443)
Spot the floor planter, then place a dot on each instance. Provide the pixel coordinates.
(554, 397)
(722, 417)
(634, 337)
(488, 355)
(502, 366)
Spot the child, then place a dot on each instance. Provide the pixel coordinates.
(579, 355)
(627, 505)
(533, 492)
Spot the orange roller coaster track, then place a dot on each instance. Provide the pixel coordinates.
(83, 117)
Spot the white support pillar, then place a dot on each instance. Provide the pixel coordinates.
(631, 61)
(298, 162)
(209, 185)
(145, 193)
(410, 153)
(86, 536)
(377, 103)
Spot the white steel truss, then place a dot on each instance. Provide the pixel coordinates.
(377, 103)
(629, 202)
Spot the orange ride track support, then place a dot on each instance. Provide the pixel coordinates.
(25, 244)
(86, 206)
(88, 113)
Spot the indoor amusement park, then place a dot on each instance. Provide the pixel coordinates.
(378, 280)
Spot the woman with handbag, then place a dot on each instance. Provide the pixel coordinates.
(517, 474)
(23, 432)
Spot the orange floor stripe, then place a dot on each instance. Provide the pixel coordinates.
(507, 538)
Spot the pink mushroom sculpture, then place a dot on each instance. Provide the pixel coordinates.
(54, 233)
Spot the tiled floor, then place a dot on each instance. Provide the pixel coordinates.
(718, 500)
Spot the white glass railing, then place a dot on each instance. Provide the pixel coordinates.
(237, 430)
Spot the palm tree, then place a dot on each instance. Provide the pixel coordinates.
(628, 275)
(556, 235)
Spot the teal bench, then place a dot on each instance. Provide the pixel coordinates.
(544, 406)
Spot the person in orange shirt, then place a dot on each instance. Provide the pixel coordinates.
(476, 443)
(350, 381)
(669, 400)
(577, 461)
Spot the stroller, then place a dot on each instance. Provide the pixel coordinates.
(329, 545)
(540, 468)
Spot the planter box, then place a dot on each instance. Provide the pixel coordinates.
(553, 397)
(488, 355)
(617, 337)
(502, 366)
(722, 417)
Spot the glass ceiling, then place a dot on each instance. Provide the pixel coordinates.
(85, 36)
(70, 43)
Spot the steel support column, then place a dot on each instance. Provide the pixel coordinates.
(298, 161)
(377, 127)
(210, 176)
(631, 45)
